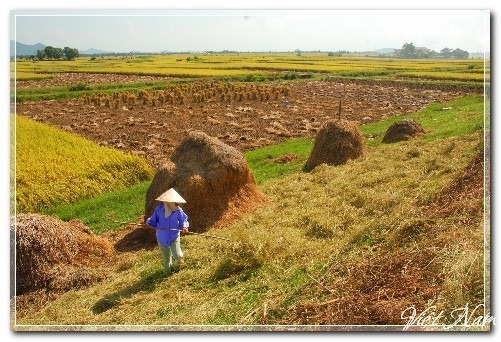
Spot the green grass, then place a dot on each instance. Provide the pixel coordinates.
(262, 166)
(441, 120)
(106, 212)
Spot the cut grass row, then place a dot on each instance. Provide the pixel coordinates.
(66, 93)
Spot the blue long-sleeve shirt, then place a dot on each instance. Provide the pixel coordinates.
(176, 221)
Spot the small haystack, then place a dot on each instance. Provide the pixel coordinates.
(403, 130)
(212, 177)
(335, 144)
(53, 255)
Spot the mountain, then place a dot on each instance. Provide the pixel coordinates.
(93, 52)
(385, 51)
(21, 49)
(28, 50)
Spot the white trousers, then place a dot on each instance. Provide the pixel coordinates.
(171, 252)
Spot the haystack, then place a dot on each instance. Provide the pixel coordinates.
(403, 130)
(54, 255)
(212, 177)
(335, 144)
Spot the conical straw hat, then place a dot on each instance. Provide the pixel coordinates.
(171, 196)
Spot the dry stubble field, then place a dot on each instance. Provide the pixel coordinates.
(153, 129)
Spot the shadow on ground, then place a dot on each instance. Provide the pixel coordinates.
(136, 240)
(147, 284)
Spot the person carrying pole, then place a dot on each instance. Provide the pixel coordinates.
(169, 220)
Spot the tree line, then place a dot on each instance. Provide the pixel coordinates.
(56, 53)
(408, 50)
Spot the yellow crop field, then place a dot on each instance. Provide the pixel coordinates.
(442, 75)
(53, 167)
(239, 64)
(28, 76)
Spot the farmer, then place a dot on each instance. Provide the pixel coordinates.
(169, 219)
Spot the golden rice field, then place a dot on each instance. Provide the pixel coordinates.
(241, 64)
(52, 166)
(441, 75)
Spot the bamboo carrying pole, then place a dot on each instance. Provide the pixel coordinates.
(211, 236)
(189, 233)
(200, 234)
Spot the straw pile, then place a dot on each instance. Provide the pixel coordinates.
(212, 177)
(460, 195)
(335, 144)
(403, 130)
(376, 292)
(55, 256)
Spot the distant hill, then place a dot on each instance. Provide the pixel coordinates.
(21, 49)
(28, 50)
(93, 52)
(385, 50)
(480, 55)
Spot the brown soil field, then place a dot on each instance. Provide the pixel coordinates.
(72, 78)
(153, 130)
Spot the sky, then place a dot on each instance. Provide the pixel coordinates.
(252, 30)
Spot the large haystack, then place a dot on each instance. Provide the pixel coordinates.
(53, 255)
(212, 177)
(403, 130)
(335, 144)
